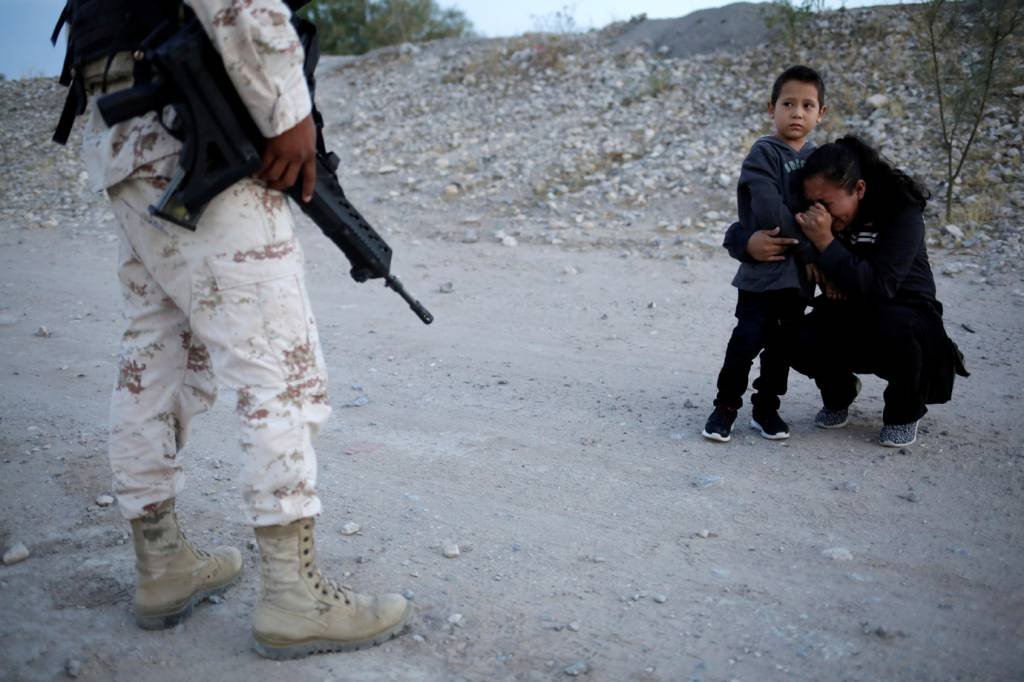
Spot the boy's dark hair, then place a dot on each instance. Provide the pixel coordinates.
(850, 159)
(804, 74)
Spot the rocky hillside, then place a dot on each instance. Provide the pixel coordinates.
(605, 139)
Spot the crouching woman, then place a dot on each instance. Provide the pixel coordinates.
(865, 218)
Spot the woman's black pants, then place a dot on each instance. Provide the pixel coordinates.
(893, 340)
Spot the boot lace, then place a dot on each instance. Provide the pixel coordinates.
(326, 586)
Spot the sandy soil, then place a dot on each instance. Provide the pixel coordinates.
(548, 423)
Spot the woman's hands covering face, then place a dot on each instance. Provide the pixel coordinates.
(816, 222)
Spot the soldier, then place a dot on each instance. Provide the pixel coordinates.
(226, 304)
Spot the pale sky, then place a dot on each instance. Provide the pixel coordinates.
(25, 30)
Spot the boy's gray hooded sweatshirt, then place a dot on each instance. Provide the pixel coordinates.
(767, 199)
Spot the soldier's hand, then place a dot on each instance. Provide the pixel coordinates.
(765, 245)
(289, 154)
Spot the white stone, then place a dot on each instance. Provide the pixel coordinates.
(877, 101)
(350, 528)
(15, 553)
(451, 551)
(953, 231)
(104, 501)
(837, 554)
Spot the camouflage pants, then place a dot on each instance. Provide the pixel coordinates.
(225, 305)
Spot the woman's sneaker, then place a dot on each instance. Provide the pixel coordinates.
(770, 424)
(719, 425)
(835, 419)
(898, 435)
(831, 419)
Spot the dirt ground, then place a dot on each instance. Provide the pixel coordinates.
(549, 424)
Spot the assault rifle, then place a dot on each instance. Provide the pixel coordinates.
(221, 145)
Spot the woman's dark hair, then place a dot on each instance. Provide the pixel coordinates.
(850, 159)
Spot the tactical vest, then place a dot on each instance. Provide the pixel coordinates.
(100, 29)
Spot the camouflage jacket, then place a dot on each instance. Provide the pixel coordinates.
(263, 57)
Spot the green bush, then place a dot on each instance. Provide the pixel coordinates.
(358, 26)
(790, 20)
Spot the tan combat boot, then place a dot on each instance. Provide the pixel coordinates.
(301, 613)
(172, 574)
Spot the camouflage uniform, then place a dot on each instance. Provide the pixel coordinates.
(227, 301)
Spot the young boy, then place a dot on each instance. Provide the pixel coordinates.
(772, 288)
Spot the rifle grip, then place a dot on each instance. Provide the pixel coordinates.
(134, 101)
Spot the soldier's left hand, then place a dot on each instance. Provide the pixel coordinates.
(289, 154)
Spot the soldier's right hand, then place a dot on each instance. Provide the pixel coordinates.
(289, 154)
(764, 245)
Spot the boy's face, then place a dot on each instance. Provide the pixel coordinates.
(796, 111)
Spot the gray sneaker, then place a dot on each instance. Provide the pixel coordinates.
(835, 419)
(898, 435)
(831, 419)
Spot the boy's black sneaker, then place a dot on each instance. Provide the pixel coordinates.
(770, 424)
(719, 426)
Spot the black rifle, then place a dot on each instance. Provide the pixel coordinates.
(221, 145)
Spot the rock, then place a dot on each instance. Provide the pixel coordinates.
(455, 620)
(953, 231)
(387, 170)
(659, 599)
(570, 270)
(43, 333)
(215, 599)
(702, 481)
(1018, 91)
(952, 269)
(509, 240)
(576, 669)
(104, 500)
(877, 101)
(350, 528)
(470, 237)
(451, 551)
(837, 554)
(880, 631)
(446, 288)
(909, 497)
(15, 553)
(574, 626)
(409, 594)
(358, 401)
(73, 667)
(452, 190)
(847, 487)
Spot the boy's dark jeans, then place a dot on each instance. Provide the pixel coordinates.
(765, 320)
(893, 340)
